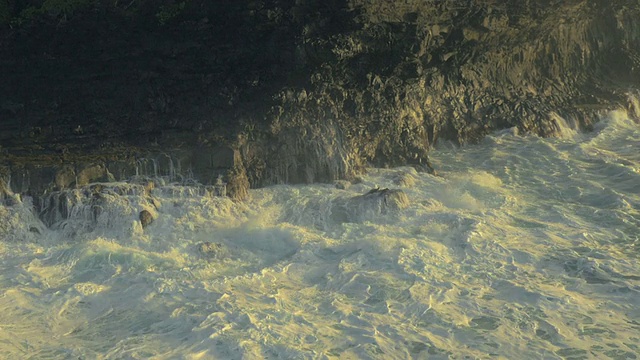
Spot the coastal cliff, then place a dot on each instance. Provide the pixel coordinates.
(293, 91)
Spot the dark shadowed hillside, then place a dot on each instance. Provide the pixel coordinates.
(267, 92)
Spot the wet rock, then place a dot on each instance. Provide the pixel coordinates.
(65, 177)
(121, 168)
(146, 218)
(215, 158)
(7, 197)
(375, 203)
(238, 183)
(342, 184)
(92, 173)
(384, 199)
(362, 83)
(219, 188)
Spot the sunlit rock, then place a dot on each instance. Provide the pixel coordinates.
(376, 202)
(237, 186)
(92, 173)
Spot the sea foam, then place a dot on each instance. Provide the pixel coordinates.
(521, 247)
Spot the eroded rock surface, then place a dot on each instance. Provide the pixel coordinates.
(295, 91)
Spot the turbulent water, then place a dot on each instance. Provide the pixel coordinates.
(521, 247)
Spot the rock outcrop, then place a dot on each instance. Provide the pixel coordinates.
(145, 218)
(294, 91)
(373, 204)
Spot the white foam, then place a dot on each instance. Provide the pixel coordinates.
(522, 247)
(563, 128)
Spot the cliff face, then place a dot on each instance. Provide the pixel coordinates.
(300, 91)
(422, 71)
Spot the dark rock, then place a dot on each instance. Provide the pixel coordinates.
(209, 165)
(145, 218)
(219, 157)
(385, 199)
(33, 178)
(121, 167)
(304, 91)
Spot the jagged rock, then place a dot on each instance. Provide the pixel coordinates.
(384, 199)
(145, 218)
(376, 202)
(238, 183)
(307, 91)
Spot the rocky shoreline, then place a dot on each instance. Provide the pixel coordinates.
(296, 91)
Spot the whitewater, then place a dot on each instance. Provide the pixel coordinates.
(520, 247)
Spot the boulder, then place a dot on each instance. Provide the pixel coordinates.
(92, 173)
(373, 204)
(146, 218)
